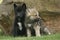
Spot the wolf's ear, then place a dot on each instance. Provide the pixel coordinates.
(15, 5)
(24, 6)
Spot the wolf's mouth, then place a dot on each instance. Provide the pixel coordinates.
(33, 20)
(36, 20)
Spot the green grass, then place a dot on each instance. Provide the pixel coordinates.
(45, 37)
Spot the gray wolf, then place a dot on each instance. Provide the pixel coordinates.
(34, 21)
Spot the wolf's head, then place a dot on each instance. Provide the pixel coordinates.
(33, 14)
(20, 9)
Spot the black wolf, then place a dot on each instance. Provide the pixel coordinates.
(19, 27)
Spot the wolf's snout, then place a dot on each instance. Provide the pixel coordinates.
(37, 19)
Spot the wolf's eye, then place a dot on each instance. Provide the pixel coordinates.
(35, 15)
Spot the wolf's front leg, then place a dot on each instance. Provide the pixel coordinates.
(37, 30)
(28, 32)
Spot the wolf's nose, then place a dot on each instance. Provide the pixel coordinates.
(37, 19)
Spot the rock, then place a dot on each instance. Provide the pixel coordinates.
(6, 17)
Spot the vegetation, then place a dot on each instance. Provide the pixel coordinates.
(45, 37)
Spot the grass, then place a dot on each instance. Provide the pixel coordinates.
(45, 37)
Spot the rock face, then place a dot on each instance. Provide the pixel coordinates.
(6, 17)
(49, 11)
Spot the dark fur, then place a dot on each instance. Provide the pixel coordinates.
(19, 17)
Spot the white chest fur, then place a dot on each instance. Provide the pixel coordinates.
(20, 25)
